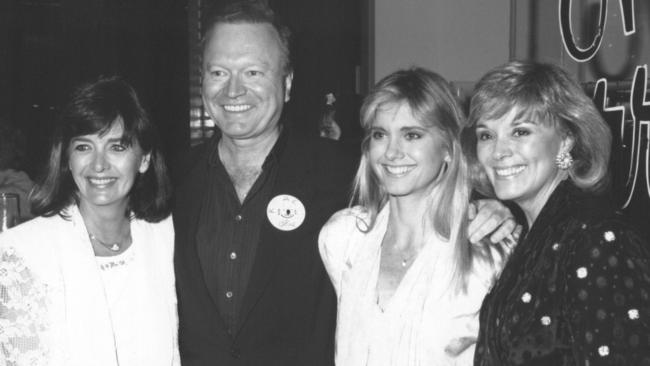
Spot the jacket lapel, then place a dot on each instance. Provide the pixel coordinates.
(85, 300)
(203, 233)
(294, 178)
(198, 192)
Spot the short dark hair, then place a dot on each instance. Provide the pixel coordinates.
(548, 94)
(93, 109)
(252, 12)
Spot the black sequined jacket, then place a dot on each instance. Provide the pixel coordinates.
(574, 292)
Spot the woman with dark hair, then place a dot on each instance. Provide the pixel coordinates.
(575, 290)
(408, 283)
(90, 281)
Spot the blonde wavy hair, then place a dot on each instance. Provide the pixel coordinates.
(547, 94)
(433, 104)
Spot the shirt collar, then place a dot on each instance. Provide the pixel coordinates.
(272, 158)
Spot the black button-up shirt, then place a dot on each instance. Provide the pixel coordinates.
(234, 230)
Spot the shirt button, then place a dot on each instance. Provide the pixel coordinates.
(229, 294)
(238, 218)
(233, 255)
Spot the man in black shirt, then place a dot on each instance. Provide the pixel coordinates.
(251, 286)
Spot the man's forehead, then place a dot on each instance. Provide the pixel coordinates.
(244, 43)
(239, 30)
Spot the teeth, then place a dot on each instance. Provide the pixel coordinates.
(398, 170)
(100, 181)
(237, 107)
(505, 172)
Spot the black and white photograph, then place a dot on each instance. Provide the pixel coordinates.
(324, 183)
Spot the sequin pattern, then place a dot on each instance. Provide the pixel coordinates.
(575, 292)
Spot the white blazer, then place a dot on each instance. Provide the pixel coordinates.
(56, 294)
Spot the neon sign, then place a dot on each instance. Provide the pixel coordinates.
(634, 138)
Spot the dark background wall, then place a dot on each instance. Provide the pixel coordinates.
(327, 54)
(49, 46)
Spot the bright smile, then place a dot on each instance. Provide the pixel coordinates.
(101, 182)
(510, 171)
(398, 170)
(237, 108)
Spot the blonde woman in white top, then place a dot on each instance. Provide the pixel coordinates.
(409, 284)
(90, 281)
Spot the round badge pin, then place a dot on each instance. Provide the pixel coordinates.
(285, 212)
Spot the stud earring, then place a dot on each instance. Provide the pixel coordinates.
(564, 160)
